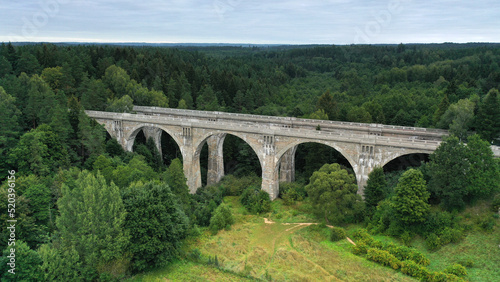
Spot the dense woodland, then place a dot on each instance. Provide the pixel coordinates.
(87, 210)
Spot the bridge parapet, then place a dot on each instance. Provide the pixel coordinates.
(292, 122)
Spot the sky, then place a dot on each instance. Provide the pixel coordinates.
(251, 21)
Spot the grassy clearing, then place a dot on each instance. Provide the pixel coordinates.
(284, 251)
(287, 251)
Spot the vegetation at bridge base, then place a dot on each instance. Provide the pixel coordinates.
(58, 151)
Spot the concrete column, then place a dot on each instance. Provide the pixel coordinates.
(215, 158)
(287, 165)
(155, 133)
(270, 177)
(365, 166)
(191, 160)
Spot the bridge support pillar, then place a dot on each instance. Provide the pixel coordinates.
(365, 165)
(215, 158)
(190, 160)
(270, 177)
(287, 165)
(155, 133)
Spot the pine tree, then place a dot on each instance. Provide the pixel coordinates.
(410, 202)
(9, 128)
(375, 190)
(92, 218)
(488, 117)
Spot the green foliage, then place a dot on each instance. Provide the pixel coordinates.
(204, 203)
(413, 269)
(92, 218)
(337, 234)
(234, 186)
(410, 202)
(9, 128)
(495, 204)
(291, 192)
(156, 222)
(488, 116)
(333, 195)
(60, 265)
(136, 170)
(26, 263)
(221, 219)
(255, 200)
(40, 151)
(457, 270)
(383, 257)
(174, 176)
(432, 242)
(124, 104)
(458, 118)
(375, 188)
(459, 172)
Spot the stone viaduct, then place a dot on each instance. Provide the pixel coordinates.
(274, 140)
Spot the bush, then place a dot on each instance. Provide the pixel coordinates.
(234, 186)
(291, 192)
(450, 235)
(413, 269)
(432, 242)
(457, 270)
(495, 205)
(466, 262)
(487, 223)
(337, 234)
(256, 200)
(443, 277)
(383, 257)
(222, 219)
(406, 253)
(361, 234)
(361, 248)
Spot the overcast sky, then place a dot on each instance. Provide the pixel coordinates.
(251, 21)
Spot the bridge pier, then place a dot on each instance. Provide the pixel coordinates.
(287, 165)
(215, 158)
(270, 177)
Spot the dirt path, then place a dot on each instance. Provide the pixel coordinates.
(303, 224)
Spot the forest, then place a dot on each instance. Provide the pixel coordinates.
(86, 210)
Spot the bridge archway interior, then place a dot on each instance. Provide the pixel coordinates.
(230, 154)
(309, 157)
(168, 149)
(240, 159)
(406, 161)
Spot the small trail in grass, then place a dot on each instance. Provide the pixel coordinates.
(303, 224)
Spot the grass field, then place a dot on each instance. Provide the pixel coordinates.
(288, 251)
(282, 251)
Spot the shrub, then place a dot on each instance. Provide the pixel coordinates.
(457, 270)
(222, 219)
(467, 262)
(256, 200)
(361, 234)
(432, 242)
(450, 235)
(291, 192)
(443, 277)
(383, 257)
(487, 223)
(234, 186)
(360, 248)
(406, 253)
(337, 234)
(413, 269)
(495, 205)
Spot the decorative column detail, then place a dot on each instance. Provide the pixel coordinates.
(287, 165)
(215, 158)
(269, 144)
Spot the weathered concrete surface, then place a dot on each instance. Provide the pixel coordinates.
(274, 140)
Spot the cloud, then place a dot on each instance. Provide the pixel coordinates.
(253, 21)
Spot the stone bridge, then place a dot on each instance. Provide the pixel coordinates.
(274, 140)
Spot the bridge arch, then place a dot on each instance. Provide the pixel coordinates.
(393, 156)
(342, 151)
(285, 158)
(215, 142)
